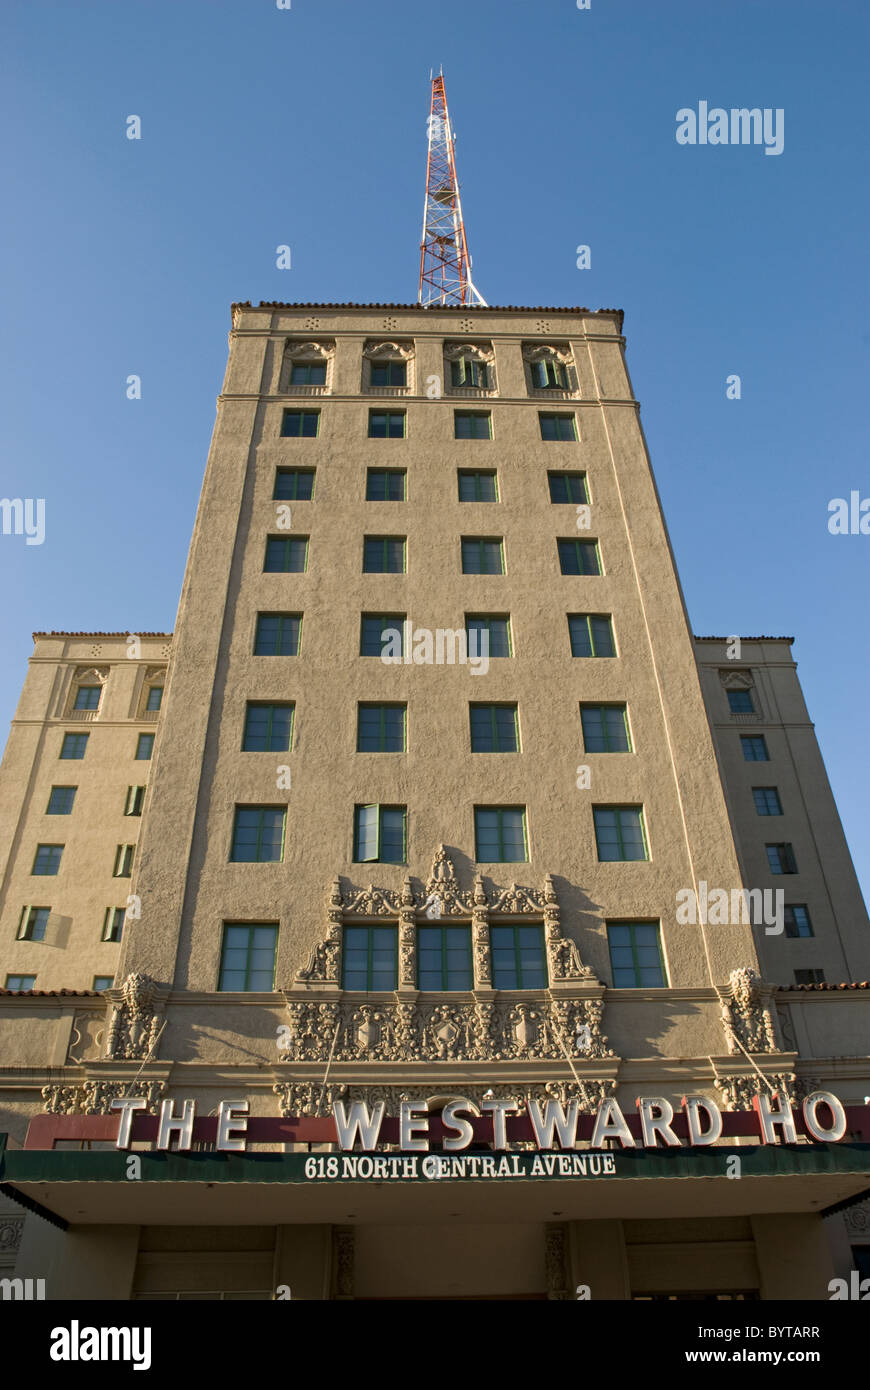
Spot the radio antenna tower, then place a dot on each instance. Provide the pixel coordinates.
(445, 265)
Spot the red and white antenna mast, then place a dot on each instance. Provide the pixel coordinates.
(445, 265)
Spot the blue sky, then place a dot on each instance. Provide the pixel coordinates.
(307, 126)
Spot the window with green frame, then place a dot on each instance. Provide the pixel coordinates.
(303, 424)
(636, 959)
(472, 424)
(258, 835)
(74, 746)
(467, 371)
(383, 555)
(380, 631)
(385, 485)
(567, 487)
(47, 859)
(248, 957)
(740, 701)
(579, 557)
(286, 555)
(518, 957)
(444, 958)
(482, 555)
(294, 485)
(797, 920)
(277, 634)
(134, 801)
(33, 923)
(381, 728)
(19, 983)
(500, 835)
(811, 976)
(482, 629)
(477, 485)
(767, 802)
(123, 865)
(102, 982)
(308, 374)
(144, 747)
(88, 697)
(620, 833)
(560, 428)
(155, 697)
(754, 748)
(548, 375)
(380, 834)
(781, 859)
(268, 727)
(388, 374)
(494, 729)
(60, 801)
(605, 729)
(113, 923)
(370, 958)
(386, 424)
(591, 634)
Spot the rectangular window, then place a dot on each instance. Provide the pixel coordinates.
(558, 427)
(113, 923)
(286, 555)
(248, 957)
(467, 371)
(479, 628)
(385, 485)
(308, 374)
(472, 424)
(60, 802)
(258, 835)
(294, 485)
(591, 634)
(809, 977)
(155, 697)
(780, 859)
(303, 424)
(754, 748)
(386, 424)
(620, 833)
(123, 861)
(380, 632)
(381, 728)
(33, 923)
(636, 959)
(567, 487)
(277, 634)
(88, 697)
(144, 747)
(20, 983)
(740, 701)
(380, 834)
(47, 860)
(500, 835)
(102, 982)
(579, 557)
(767, 802)
(383, 555)
(74, 746)
(482, 555)
(494, 729)
(389, 374)
(549, 376)
(477, 486)
(797, 920)
(135, 799)
(518, 958)
(268, 728)
(605, 729)
(444, 958)
(370, 958)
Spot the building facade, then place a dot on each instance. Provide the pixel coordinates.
(446, 802)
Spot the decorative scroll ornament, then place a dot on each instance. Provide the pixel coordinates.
(547, 352)
(454, 352)
(556, 1260)
(301, 1098)
(738, 1091)
(136, 1017)
(308, 1097)
(95, 1097)
(745, 1018)
(389, 351)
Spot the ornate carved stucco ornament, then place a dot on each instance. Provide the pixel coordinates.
(137, 1012)
(548, 352)
(746, 1017)
(738, 1091)
(95, 1097)
(303, 1098)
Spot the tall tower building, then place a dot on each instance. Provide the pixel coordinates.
(446, 802)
